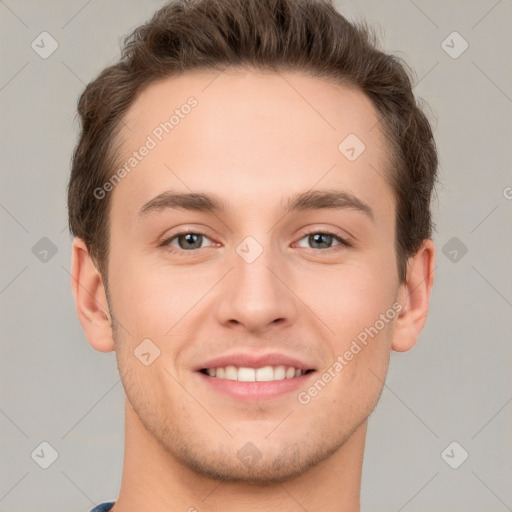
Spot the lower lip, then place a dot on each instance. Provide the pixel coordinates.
(256, 391)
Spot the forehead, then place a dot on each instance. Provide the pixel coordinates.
(250, 133)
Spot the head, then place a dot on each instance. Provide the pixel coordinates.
(293, 152)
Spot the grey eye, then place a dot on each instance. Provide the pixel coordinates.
(187, 241)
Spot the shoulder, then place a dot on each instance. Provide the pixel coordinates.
(103, 507)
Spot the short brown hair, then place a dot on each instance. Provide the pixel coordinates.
(297, 35)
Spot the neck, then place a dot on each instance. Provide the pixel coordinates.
(154, 480)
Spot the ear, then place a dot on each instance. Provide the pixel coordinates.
(90, 299)
(414, 297)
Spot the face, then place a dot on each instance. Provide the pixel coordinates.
(255, 294)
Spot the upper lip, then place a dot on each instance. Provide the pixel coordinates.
(248, 360)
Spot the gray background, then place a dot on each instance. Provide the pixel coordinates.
(455, 385)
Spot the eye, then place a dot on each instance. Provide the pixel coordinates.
(323, 240)
(188, 241)
(185, 241)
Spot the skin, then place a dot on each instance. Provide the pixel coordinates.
(254, 140)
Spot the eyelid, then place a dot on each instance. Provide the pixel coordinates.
(168, 239)
(343, 241)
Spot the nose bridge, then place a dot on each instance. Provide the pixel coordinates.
(253, 269)
(254, 293)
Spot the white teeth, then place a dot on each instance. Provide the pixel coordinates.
(290, 372)
(246, 374)
(231, 373)
(264, 374)
(279, 373)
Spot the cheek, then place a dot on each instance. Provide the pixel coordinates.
(157, 301)
(358, 309)
(143, 297)
(353, 298)
(362, 315)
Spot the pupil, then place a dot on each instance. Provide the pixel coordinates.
(192, 239)
(317, 238)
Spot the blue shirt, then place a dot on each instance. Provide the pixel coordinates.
(103, 507)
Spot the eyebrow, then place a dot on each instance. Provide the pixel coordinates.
(305, 201)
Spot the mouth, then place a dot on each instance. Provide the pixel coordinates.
(262, 374)
(250, 378)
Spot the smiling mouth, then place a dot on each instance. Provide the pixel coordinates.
(262, 374)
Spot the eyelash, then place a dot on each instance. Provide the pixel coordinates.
(342, 241)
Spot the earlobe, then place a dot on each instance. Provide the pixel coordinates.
(414, 296)
(90, 299)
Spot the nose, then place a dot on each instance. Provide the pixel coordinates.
(257, 295)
